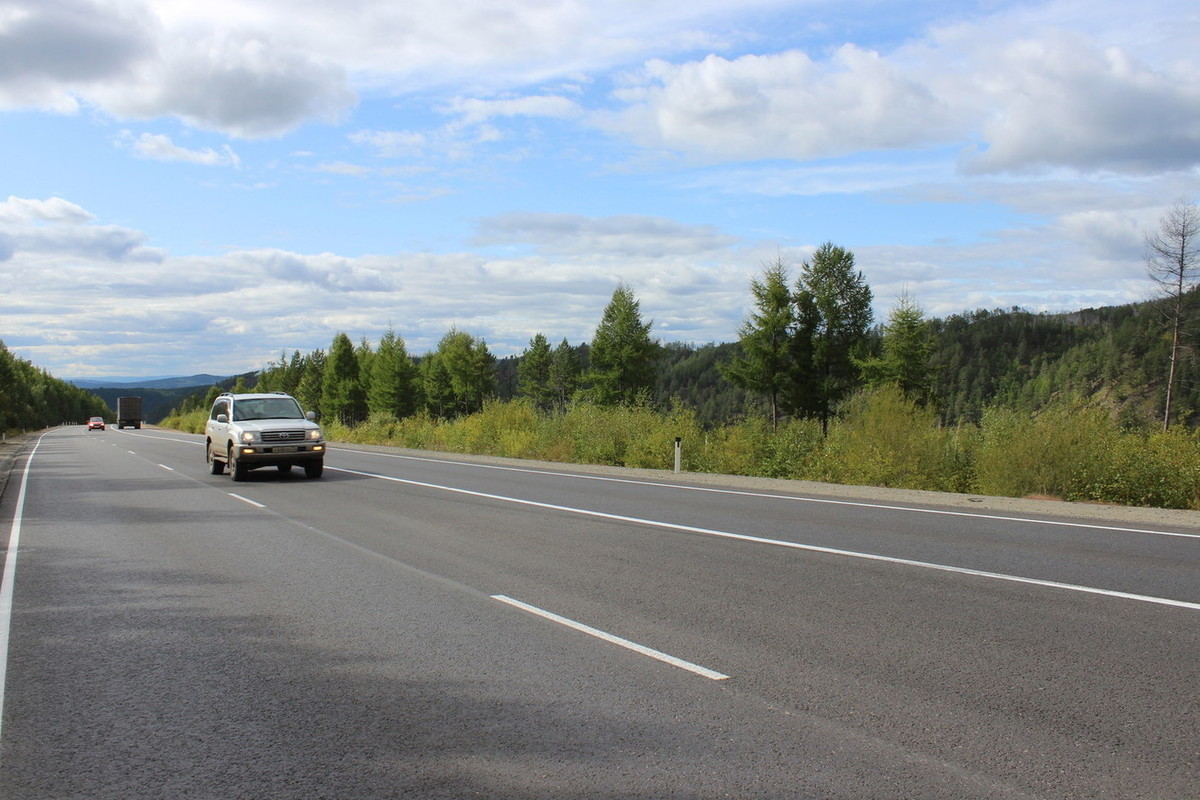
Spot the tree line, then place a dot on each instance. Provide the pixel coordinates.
(806, 348)
(31, 398)
(351, 383)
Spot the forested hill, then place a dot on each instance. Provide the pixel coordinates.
(1116, 356)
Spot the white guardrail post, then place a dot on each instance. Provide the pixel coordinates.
(678, 451)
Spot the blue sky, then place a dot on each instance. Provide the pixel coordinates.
(197, 188)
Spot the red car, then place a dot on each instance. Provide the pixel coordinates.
(96, 423)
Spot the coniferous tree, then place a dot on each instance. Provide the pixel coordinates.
(311, 385)
(460, 375)
(1173, 261)
(622, 354)
(765, 364)
(342, 396)
(833, 317)
(533, 373)
(566, 370)
(906, 349)
(392, 384)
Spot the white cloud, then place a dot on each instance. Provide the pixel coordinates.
(780, 106)
(21, 209)
(474, 110)
(238, 82)
(160, 148)
(51, 50)
(1062, 100)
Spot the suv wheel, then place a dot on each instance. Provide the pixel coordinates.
(215, 467)
(237, 468)
(313, 469)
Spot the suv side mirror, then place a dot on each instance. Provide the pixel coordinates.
(311, 416)
(223, 419)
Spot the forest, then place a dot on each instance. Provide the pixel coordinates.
(1005, 402)
(31, 398)
(1100, 404)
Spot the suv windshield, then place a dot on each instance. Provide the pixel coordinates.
(267, 408)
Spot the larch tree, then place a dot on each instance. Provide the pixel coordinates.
(833, 309)
(566, 370)
(342, 396)
(765, 363)
(1173, 262)
(907, 347)
(533, 373)
(622, 354)
(392, 384)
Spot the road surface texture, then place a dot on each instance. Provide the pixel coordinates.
(415, 625)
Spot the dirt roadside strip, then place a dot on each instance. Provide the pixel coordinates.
(10, 448)
(1090, 513)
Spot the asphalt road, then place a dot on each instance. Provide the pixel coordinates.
(415, 625)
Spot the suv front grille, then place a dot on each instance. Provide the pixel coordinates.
(297, 436)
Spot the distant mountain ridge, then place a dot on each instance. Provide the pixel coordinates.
(147, 383)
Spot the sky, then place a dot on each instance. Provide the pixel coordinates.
(204, 187)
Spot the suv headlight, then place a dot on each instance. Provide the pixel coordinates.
(314, 434)
(247, 436)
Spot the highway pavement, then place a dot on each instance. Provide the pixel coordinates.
(431, 626)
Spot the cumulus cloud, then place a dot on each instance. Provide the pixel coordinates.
(780, 106)
(23, 209)
(238, 82)
(55, 229)
(1062, 100)
(50, 50)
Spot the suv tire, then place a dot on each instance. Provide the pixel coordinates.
(215, 467)
(237, 469)
(314, 469)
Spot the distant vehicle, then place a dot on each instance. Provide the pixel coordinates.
(248, 431)
(129, 412)
(96, 424)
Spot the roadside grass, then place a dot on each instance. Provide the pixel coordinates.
(1069, 451)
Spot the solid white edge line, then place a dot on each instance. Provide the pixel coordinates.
(245, 500)
(10, 574)
(617, 640)
(788, 497)
(743, 493)
(811, 548)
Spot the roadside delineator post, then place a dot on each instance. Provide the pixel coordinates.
(678, 445)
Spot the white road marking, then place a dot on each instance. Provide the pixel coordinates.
(617, 640)
(10, 572)
(785, 497)
(168, 469)
(245, 500)
(812, 548)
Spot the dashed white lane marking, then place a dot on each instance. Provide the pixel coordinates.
(812, 548)
(617, 640)
(245, 500)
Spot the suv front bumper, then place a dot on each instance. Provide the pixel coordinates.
(267, 454)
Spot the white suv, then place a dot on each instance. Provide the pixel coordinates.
(247, 431)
